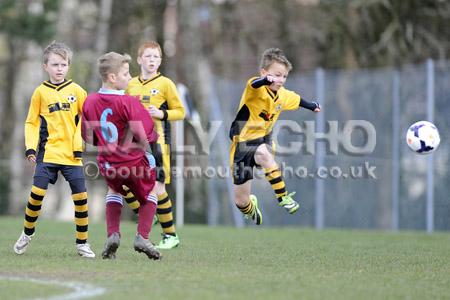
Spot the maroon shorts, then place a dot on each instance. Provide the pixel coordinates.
(139, 177)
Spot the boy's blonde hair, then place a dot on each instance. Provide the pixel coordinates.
(110, 63)
(272, 55)
(149, 44)
(59, 49)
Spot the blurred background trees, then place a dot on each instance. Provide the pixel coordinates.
(224, 36)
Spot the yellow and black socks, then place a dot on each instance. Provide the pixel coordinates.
(275, 178)
(33, 209)
(246, 210)
(164, 210)
(165, 215)
(81, 217)
(131, 200)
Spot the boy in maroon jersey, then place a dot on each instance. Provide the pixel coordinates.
(122, 129)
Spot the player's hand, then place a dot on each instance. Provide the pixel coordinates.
(271, 78)
(32, 158)
(155, 112)
(318, 108)
(274, 79)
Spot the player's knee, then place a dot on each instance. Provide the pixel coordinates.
(112, 192)
(264, 159)
(77, 186)
(159, 188)
(41, 182)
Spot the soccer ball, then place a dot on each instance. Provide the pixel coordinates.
(423, 137)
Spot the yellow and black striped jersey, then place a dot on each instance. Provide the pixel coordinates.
(161, 92)
(258, 111)
(53, 127)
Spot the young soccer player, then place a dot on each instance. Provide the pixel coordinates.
(53, 142)
(122, 129)
(263, 100)
(159, 95)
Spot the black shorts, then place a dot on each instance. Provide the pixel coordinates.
(161, 152)
(45, 173)
(242, 156)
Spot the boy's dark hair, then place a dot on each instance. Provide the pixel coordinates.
(272, 55)
(59, 49)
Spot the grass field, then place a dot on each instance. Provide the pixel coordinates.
(229, 263)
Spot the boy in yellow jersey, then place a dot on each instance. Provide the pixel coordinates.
(263, 100)
(159, 95)
(53, 142)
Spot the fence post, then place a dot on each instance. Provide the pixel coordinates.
(179, 182)
(396, 140)
(320, 151)
(430, 174)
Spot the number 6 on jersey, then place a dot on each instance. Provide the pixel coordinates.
(109, 130)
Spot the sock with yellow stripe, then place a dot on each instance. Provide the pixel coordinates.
(275, 178)
(165, 216)
(33, 209)
(246, 210)
(79, 197)
(132, 202)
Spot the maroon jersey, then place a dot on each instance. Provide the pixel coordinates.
(118, 125)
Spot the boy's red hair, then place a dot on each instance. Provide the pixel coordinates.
(149, 44)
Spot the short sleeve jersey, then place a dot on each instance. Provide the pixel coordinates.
(161, 92)
(118, 125)
(259, 109)
(52, 127)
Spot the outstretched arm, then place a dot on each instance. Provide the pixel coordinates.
(261, 81)
(269, 79)
(314, 106)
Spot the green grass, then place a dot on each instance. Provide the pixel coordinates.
(229, 263)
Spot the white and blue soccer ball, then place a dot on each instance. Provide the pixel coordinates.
(423, 137)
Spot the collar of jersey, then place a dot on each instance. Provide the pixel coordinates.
(111, 92)
(58, 86)
(144, 82)
(272, 94)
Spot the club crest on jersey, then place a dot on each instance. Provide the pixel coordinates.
(72, 99)
(278, 108)
(154, 92)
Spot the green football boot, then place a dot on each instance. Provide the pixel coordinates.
(255, 214)
(289, 204)
(168, 242)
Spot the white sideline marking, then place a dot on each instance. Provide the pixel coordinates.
(81, 290)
